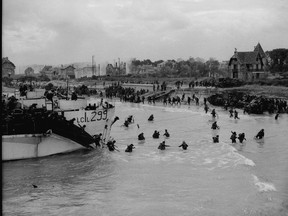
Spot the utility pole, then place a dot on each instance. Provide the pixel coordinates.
(92, 65)
(67, 85)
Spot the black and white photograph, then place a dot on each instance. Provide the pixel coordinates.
(144, 107)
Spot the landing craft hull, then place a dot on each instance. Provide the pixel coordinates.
(96, 121)
(16, 147)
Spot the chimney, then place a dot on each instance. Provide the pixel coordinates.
(235, 52)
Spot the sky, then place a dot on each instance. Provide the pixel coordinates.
(65, 31)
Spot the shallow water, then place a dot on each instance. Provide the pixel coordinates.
(206, 179)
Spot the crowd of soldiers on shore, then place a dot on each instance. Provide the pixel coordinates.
(125, 94)
(250, 103)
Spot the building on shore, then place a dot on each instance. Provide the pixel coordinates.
(8, 68)
(117, 70)
(50, 72)
(87, 71)
(147, 69)
(249, 65)
(68, 72)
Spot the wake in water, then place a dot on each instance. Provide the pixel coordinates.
(263, 186)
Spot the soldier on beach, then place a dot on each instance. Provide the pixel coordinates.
(197, 100)
(205, 100)
(206, 108)
(277, 115)
(233, 136)
(165, 101)
(215, 126)
(231, 113)
(213, 113)
(189, 101)
(183, 97)
(236, 114)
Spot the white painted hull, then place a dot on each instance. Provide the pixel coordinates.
(95, 121)
(16, 147)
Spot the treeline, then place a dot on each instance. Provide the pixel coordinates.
(193, 67)
(278, 60)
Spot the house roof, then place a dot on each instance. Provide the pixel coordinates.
(5, 60)
(68, 67)
(247, 57)
(250, 57)
(259, 49)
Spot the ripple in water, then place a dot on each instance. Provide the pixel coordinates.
(263, 186)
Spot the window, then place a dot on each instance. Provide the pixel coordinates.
(235, 74)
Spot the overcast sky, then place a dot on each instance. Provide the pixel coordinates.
(66, 31)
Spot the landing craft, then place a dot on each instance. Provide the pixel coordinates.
(89, 120)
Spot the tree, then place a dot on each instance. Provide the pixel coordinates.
(27, 78)
(184, 68)
(166, 70)
(157, 62)
(278, 61)
(213, 66)
(44, 78)
(147, 62)
(7, 81)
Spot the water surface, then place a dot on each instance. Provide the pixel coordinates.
(207, 179)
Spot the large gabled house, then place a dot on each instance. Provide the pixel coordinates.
(8, 68)
(248, 65)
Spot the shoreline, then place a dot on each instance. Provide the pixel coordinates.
(264, 90)
(280, 92)
(267, 91)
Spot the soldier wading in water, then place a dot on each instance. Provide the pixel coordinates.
(184, 145)
(260, 134)
(162, 146)
(129, 148)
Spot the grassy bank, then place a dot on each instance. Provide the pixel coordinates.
(268, 91)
